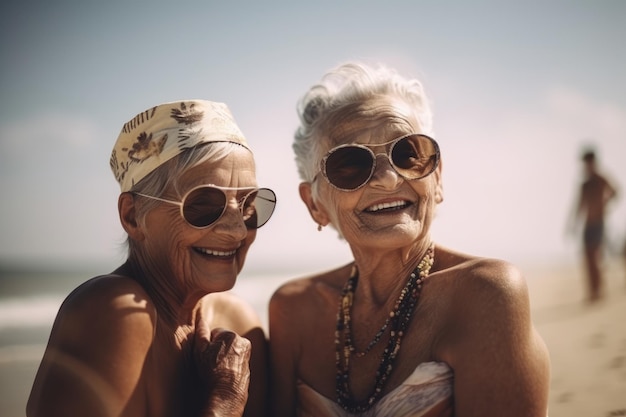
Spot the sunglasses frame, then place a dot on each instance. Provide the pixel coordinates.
(181, 203)
(388, 154)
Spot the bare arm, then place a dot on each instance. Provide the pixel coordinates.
(257, 405)
(610, 193)
(94, 359)
(500, 363)
(283, 343)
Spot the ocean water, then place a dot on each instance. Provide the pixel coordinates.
(29, 301)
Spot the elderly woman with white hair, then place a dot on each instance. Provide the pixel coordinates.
(159, 336)
(409, 327)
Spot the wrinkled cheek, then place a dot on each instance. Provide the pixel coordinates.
(427, 211)
(348, 225)
(241, 259)
(340, 211)
(177, 252)
(177, 243)
(243, 251)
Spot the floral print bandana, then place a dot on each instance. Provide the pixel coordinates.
(164, 131)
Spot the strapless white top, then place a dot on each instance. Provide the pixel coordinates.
(427, 392)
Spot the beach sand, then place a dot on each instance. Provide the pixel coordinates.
(587, 342)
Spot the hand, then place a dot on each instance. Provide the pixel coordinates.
(222, 362)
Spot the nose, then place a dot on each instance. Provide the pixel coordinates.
(385, 175)
(231, 223)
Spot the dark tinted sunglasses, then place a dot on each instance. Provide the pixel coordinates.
(349, 167)
(205, 204)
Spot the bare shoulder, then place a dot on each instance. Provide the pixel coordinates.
(308, 294)
(483, 295)
(231, 311)
(110, 286)
(321, 283)
(302, 315)
(481, 283)
(490, 278)
(112, 299)
(106, 320)
(500, 362)
(488, 299)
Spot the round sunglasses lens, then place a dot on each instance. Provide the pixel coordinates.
(349, 167)
(203, 206)
(258, 208)
(415, 156)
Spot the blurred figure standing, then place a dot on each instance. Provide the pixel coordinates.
(595, 194)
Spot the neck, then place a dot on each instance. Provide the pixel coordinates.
(376, 288)
(173, 306)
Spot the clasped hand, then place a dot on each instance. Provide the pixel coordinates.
(222, 360)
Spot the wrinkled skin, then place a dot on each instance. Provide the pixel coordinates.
(224, 357)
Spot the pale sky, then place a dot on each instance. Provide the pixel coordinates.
(516, 89)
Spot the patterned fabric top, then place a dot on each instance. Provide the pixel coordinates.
(164, 131)
(427, 392)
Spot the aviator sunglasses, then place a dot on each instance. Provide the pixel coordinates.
(203, 205)
(349, 167)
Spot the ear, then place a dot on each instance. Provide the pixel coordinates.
(128, 216)
(318, 213)
(438, 183)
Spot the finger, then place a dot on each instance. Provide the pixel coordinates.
(232, 342)
(227, 345)
(203, 330)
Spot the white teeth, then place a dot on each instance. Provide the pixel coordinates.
(392, 204)
(216, 252)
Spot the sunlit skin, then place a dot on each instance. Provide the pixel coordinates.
(596, 193)
(473, 313)
(384, 237)
(195, 272)
(132, 343)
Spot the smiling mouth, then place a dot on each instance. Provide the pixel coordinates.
(389, 206)
(216, 253)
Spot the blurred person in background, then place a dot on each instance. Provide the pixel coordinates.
(595, 194)
(159, 336)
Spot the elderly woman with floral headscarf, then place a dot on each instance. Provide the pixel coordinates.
(159, 336)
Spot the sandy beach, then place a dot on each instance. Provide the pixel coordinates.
(587, 342)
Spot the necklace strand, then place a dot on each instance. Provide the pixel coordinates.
(397, 321)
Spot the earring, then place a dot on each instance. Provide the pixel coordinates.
(319, 227)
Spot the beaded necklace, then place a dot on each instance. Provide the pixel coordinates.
(398, 321)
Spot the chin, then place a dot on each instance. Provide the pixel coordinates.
(220, 284)
(399, 235)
